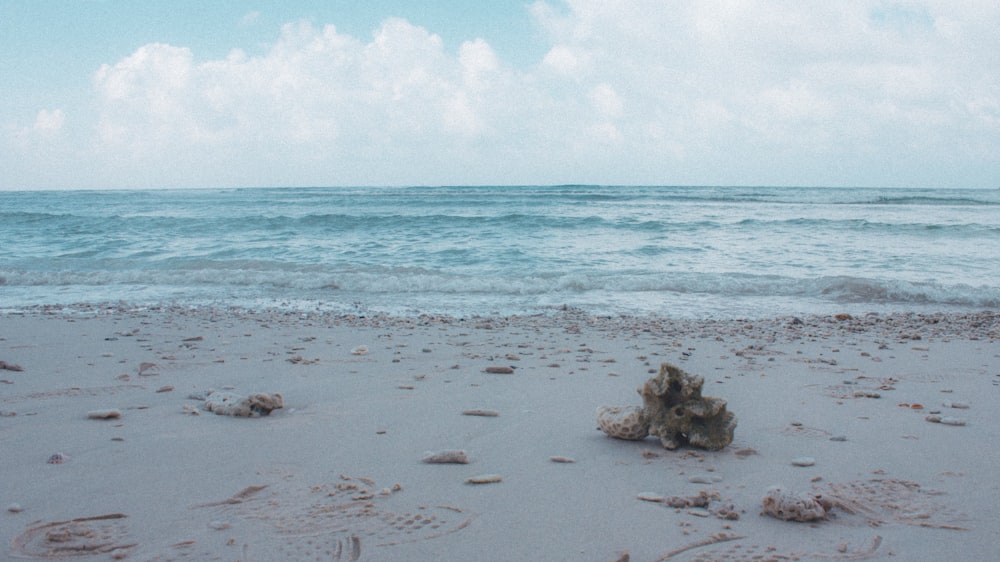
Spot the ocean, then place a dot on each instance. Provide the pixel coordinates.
(686, 252)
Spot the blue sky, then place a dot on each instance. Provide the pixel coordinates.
(123, 94)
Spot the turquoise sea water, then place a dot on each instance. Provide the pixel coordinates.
(723, 252)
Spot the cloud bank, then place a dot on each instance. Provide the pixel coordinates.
(646, 92)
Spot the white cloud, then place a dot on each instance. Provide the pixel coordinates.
(49, 120)
(645, 91)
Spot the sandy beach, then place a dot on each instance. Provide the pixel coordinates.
(109, 451)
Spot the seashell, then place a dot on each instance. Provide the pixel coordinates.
(450, 456)
(58, 458)
(484, 413)
(484, 479)
(105, 414)
(803, 461)
(957, 405)
(360, 350)
(14, 508)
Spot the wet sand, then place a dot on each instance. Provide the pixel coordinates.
(109, 450)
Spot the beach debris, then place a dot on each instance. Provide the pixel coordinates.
(448, 456)
(651, 497)
(5, 366)
(791, 506)
(299, 360)
(945, 420)
(703, 498)
(704, 479)
(104, 414)
(675, 411)
(504, 370)
(58, 458)
(803, 461)
(484, 479)
(482, 413)
(623, 422)
(146, 369)
(166, 388)
(252, 405)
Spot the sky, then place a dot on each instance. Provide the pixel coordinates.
(120, 94)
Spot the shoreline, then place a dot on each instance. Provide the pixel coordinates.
(336, 473)
(978, 324)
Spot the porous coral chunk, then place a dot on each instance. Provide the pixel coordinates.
(253, 405)
(623, 422)
(678, 414)
(789, 506)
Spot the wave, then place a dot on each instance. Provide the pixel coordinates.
(934, 201)
(377, 283)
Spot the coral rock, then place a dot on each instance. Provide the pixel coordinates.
(623, 422)
(678, 414)
(789, 506)
(253, 405)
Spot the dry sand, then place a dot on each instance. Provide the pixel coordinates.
(337, 473)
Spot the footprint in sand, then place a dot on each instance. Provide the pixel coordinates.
(331, 520)
(83, 536)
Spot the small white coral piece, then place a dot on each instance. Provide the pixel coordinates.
(623, 422)
(253, 405)
(789, 506)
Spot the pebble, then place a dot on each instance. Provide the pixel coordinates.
(483, 413)
(105, 414)
(803, 461)
(704, 479)
(15, 508)
(945, 420)
(450, 456)
(484, 479)
(500, 370)
(957, 405)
